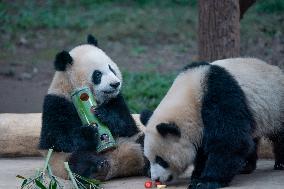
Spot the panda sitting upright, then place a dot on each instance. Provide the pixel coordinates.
(62, 130)
(212, 117)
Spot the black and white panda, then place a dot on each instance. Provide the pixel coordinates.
(62, 130)
(212, 117)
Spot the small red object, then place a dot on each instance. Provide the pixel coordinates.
(157, 183)
(148, 184)
(84, 96)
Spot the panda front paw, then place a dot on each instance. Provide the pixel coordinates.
(89, 164)
(89, 132)
(248, 168)
(196, 184)
(193, 183)
(279, 166)
(102, 115)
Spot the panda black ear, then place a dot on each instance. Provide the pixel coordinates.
(168, 128)
(61, 60)
(92, 40)
(145, 115)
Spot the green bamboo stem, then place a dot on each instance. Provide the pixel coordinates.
(71, 175)
(47, 160)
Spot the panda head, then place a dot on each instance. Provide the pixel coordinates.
(172, 134)
(87, 65)
(169, 153)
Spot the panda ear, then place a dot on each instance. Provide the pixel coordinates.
(145, 115)
(168, 128)
(92, 40)
(61, 60)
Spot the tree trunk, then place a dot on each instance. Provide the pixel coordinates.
(219, 29)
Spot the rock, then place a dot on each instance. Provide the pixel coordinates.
(23, 41)
(25, 76)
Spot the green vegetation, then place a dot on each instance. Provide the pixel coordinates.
(263, 20)
(138, 19)
(269, 6)
(144, 90)
(140, 27)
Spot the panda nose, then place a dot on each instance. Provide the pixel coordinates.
(115, 85)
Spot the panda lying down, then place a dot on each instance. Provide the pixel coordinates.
(62, 130)
(212, 117)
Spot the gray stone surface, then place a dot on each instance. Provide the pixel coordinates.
(263, 178)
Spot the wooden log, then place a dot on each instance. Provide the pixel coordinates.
(19, 135)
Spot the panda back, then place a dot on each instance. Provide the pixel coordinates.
(263, 86)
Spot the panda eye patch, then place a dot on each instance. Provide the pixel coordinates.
(110, 68)
(96, 77)
(161, 162)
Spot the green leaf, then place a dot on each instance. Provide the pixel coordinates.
(93, 181)
(20, 177)
(88, 180)
(40, 185)
(50, 184)
(24, 183)
(54, 186)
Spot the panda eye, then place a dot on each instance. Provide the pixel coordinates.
(161, 162)
(110, 68)
(96, 77)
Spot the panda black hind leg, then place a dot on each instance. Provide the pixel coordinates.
(278, 149)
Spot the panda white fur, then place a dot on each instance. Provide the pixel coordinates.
(62, 130)
(212, 117)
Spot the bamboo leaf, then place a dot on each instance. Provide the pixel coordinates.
(24, 183)
(40, 185)
(89, 180)
(54, 186)
(50, 185)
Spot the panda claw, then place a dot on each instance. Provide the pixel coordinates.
(249, 168)
(279, 166)
(89, 132)
(206, 185)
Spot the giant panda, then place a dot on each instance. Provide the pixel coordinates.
(212, 117)
(62, 130)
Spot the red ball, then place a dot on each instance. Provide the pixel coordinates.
(148, 184)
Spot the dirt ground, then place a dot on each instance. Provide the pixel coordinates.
(23, 86)
(263, 178)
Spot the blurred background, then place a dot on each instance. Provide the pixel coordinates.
(150, 40)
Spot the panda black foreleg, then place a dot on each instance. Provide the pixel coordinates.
(116, 115)
(62, 129)
(251, 159)
(226, 157)
(220, 169)
(199, 164)
(228, 124)
(278, 149)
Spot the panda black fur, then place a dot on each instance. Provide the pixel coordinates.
(62, 129)
(212, 117)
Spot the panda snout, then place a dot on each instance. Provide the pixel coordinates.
(115, 85)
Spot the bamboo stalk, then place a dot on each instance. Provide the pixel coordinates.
(66, 165)
(47, 160)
